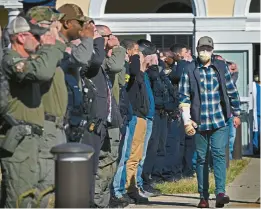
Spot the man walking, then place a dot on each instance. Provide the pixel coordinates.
(208, 96)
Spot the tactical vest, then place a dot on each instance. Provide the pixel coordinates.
(171, 101)
(160, 92)
(75, 112)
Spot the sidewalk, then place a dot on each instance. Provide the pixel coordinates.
(244, 192)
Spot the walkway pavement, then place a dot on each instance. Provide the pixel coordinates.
(244, 192)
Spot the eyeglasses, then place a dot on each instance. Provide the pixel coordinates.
(107, 36)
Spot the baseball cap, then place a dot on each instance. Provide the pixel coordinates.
(44, 14)
(21, 24)
(73, 12)
(146, 47)
(205, 41)
(28, 4)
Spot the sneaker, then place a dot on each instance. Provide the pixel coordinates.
(221, 200)
(118, 202)
(155, 192)
(203, 203)
(138, 199)
(144, 193)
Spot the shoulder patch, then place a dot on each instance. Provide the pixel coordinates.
(20, 67)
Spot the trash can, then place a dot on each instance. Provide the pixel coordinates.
(73, 175)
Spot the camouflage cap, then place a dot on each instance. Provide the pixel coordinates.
(73, 12)
(44, 14)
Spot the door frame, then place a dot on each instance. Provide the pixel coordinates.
(249, 49)
(246, 99)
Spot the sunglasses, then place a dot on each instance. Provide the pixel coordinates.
(107, 36)
(81, 23)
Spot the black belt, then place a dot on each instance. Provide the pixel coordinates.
(59, 121)
(50, 117)
(161, 110)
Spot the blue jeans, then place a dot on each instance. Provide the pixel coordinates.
(232, 136)
(217, 140)
(256, 136)
(147, 138)
(119, 180)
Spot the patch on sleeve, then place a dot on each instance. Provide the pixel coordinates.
(20, 67)
(127, 78)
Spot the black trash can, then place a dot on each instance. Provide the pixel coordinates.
(73, 175)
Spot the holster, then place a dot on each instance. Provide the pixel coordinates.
(14, 136)
(75, 133)
(174, 115)
(15, 131)
(95, 125)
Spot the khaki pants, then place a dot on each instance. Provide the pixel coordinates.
(136, 154)
(29, 172)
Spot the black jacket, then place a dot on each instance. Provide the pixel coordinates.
(136, 89)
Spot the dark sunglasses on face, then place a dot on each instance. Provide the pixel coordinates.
(81, 23)
(107, 36)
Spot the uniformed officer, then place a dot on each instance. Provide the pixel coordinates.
(54, 99)
(84, 49)
(26, 69)
(103, 132)
(156, 147)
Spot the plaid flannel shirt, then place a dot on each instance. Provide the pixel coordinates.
(212, 116)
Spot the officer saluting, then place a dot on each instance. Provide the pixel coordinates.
(26, 69)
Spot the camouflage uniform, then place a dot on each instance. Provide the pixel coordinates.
(4, 92)
(22, 169)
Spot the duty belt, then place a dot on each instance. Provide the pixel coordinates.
(57, 120)
(161, 111)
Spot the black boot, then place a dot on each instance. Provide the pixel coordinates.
(139, 200)
(116, 202)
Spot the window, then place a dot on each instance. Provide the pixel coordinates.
(175, 7)
(148, 6)
(164, 42)
(254, 6)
